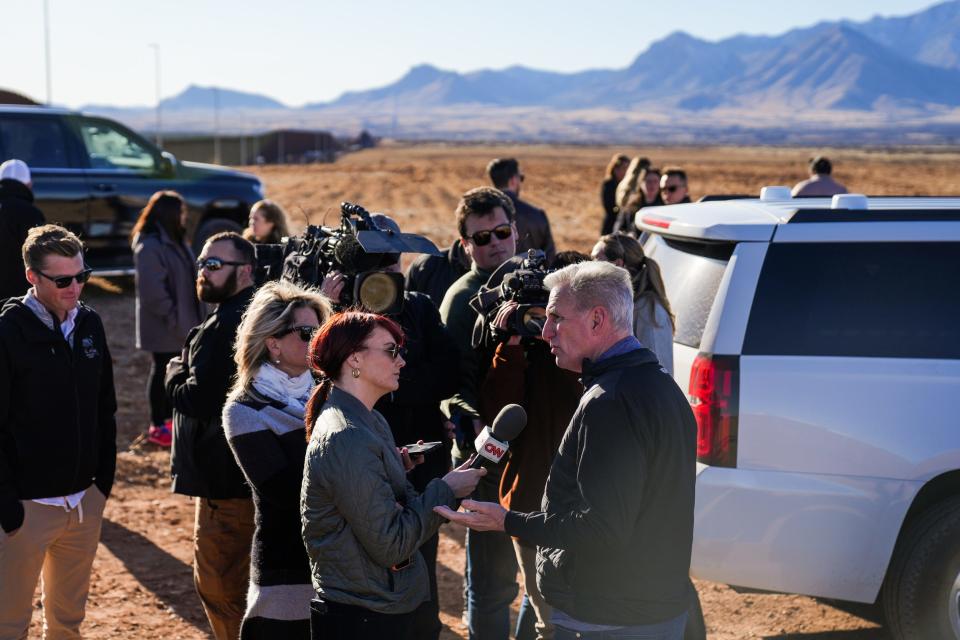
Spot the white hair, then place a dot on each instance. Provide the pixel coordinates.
(597, 284)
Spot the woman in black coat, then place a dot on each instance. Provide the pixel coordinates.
(608, 190)
(167, 303)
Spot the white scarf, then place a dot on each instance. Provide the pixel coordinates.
(274, 383)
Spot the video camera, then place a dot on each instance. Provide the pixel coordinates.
(358, 248)
(522, 285)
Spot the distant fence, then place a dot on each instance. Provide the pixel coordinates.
(285, 146)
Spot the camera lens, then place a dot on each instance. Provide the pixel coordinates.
(534, 318)
(377, 292)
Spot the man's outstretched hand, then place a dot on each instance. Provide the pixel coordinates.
(479, 516)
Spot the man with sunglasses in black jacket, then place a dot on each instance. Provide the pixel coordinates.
(57, 438)
(202, 462)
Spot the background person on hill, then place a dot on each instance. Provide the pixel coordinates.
(820, 183)
(533, 226)
(645, 194)
(268, 223)
(608, 190)
(167, 303)
(673, 186)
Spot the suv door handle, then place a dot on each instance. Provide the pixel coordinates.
(105, 186)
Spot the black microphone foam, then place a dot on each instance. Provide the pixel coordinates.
(509, 423)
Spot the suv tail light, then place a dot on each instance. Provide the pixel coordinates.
(715, 400)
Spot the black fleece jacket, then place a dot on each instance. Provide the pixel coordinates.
(57, 404)
(614, 538)
(433, 275)
(17, 216)
(201, 461)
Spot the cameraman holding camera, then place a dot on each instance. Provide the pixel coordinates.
(524, 372)
(430, 375)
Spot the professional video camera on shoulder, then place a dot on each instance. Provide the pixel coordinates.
(518, 283)
(359, 249)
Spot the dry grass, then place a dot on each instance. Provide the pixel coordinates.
(419, 185)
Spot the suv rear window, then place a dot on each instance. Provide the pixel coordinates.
(886, 300)
(691, 274)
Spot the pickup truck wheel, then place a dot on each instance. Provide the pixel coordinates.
(210, 227)
(696, 628)
(921, 597)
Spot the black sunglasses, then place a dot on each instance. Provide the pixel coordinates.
(215, 264)
(62, 282)
(672, 188)
(305, 332)
(482, 238)
(394, 351)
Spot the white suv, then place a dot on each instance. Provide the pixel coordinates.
(820, 343)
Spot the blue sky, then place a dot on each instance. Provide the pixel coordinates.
(298, 51)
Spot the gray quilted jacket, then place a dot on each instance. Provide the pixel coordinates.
(361, 516)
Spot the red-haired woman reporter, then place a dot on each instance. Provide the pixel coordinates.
(363, 522)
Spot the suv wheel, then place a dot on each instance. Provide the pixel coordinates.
(210, 227)
(921, 597)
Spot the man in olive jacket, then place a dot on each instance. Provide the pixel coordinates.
(202, 462)
(485, 221)
(616, 530)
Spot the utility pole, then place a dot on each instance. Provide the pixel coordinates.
(216, 126)
(46, 44)
(156, 57)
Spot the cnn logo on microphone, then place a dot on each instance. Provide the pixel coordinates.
(494, 451)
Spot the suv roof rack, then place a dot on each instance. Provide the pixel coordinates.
(874, 215)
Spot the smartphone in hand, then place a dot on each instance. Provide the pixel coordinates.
(418, 449)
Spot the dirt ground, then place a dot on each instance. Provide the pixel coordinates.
(142, 586)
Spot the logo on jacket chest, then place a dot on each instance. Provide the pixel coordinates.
(89, 349)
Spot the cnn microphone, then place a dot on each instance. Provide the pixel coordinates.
(493, 443)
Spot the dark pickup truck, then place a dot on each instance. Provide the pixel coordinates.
(94, 175)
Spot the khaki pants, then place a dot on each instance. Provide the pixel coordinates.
(55, 546)
(527, 559)
(221, 569)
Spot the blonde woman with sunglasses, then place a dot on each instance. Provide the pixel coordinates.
(263, 421)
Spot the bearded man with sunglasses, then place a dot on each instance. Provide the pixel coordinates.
(57, 438)
(202, 463)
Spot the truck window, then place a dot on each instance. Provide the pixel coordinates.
(691, 274)
(870, 299)
(111, 148)
(40, 142)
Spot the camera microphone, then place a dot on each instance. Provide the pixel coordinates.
(492, 443)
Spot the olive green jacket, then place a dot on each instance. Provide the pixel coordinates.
(361, 516)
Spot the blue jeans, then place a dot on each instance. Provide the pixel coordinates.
(669, 630)
(526, 621)
(491, 574)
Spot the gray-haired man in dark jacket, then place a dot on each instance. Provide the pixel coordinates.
(616, 530)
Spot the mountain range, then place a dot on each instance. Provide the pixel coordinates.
(883, 72)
